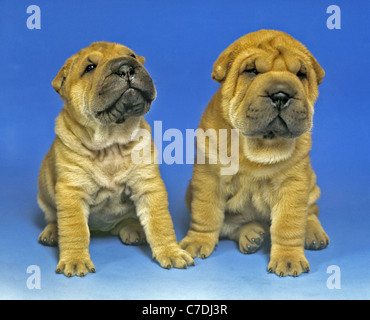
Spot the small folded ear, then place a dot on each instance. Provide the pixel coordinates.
(141, 59)
(222, 65)
(320, 73)
(59, 81)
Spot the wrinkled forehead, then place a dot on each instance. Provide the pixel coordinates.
(103, 51)
(276, 54)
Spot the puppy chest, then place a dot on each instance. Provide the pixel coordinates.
(249, 197)
(109, 207)
(111, 201)
(111, 162)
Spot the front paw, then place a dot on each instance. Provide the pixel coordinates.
(199, 245)
(288, 261)
(172, 256)
(75, 264)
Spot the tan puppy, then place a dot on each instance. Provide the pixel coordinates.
(88, 179)
(269, 84)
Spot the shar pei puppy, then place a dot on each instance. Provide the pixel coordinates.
(88, 180)
(269, 85)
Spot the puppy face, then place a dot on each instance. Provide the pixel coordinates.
(106, 83)
(269, 85)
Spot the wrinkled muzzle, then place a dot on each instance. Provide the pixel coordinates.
(125, 89)
(274, 105)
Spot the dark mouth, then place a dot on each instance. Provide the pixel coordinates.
(130, 104)
(111, 114)
(277, 127)
(270, 135)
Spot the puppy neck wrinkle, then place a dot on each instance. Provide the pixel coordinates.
(70, 133)
(92, 137)
(268, 151)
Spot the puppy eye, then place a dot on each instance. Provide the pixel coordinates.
(90, 67)
(252, 71)
(133, 56)
(301, 75)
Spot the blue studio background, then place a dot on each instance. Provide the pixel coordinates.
(181, 40)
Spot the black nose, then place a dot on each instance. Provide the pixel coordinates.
(125, 67)
(280, 99)
(126, 71)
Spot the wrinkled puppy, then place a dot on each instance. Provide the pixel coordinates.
(88, 180)
(269, 84)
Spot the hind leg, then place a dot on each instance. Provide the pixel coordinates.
(315, 238)
(131, 232)
(49, 237)
(249, 236)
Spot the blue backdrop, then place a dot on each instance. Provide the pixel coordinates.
(181, 40)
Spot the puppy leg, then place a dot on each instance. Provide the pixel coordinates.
(131, 232)
(251, 236)
(151, 202)
(45, 199)
(49, 237)
(248, 235)
(316, 238)
(207, 215)
(74, 234)
(289, 215)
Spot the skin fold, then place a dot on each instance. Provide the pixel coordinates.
(269, 84)
(88, 180)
